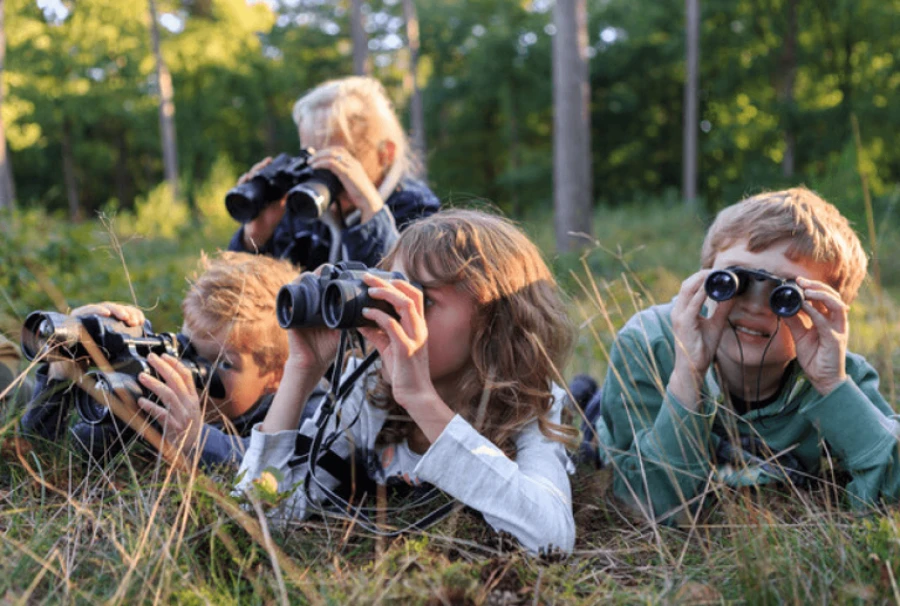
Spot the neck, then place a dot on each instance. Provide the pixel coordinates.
(752, 383)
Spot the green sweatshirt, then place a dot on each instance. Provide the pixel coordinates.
(661, 452)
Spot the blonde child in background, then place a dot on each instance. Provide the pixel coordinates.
(351, 125)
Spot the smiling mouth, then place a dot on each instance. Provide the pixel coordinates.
(751, 332)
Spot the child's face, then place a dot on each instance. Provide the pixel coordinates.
(752, 322)
(243, 379)
(449, 312)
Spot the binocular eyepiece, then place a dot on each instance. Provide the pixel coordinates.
(785, 300)
(335, 298)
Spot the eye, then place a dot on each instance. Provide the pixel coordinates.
(428, 301)
(226, 364)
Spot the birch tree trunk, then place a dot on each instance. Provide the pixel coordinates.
(572, 197)
(411, 83)
(7, 189)
(785, 87)
(360, 39)
(166, 108)
(691, 104)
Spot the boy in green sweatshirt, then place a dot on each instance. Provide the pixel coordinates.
(745, 378)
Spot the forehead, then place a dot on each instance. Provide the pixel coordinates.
(210, 344)
(772, 259)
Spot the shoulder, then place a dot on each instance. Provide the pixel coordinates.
(413, 193)
(858, 368)
(649, 326)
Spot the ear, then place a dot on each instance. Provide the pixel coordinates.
(273, 380)
(387, 152)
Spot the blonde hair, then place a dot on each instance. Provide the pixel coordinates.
(236, 292)
(522, 336)
(815, 229)
(358, 109)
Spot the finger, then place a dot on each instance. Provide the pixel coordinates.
(376, 337)
(92, 309)
(412, 291)
(167, 372)
(392, 329)
(182, 371)
(154, 411)
(130, 315)
(689, 288)
(830, 299)
(162, 391)
(410, 314)
(719, 318)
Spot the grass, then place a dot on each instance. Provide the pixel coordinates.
(139, 531)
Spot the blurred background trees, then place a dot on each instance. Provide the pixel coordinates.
(778, 83)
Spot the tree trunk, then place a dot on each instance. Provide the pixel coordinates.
(691, 104)
(166, 108)
(571, 125)
(411, 83)
(786, 77)
(7, 189)
(75, 212)
(359, 37)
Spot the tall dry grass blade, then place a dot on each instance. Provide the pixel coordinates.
(876, 266)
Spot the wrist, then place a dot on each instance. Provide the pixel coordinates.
(429, 411)
(684, 385)
(370, 206)
(826, 387)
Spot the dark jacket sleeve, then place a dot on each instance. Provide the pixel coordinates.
(369, 242)
(237, 244)
(47, 412)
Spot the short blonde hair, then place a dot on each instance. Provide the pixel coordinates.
(236, 292)
(816, 230)
(358, 109)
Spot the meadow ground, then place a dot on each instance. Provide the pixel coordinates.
(137, 531)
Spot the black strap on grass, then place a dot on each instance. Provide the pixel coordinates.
(308, 451)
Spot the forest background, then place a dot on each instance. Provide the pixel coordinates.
(790, 92)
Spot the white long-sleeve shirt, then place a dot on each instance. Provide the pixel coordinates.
(529, 498)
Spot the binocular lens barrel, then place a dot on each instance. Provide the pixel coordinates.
(308, 200)
(786, 300)
(721, 285)
(343, 302)
(242, 202)
(47, 329)
(94, 408)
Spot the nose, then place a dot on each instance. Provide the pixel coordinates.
(756, 296)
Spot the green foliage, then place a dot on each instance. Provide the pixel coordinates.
(158, 215)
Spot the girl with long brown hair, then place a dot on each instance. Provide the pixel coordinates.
(464, 397)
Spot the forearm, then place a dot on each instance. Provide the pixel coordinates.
(296, 385)
(667, 462)
(529, 498)
(432, 415)
(863, 437)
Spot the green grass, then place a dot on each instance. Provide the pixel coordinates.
(134, 532)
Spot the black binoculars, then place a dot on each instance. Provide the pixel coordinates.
(335, 298)
(125, 348)
(785, 300)
(309, 192)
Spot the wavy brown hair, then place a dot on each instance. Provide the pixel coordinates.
(521, 336)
